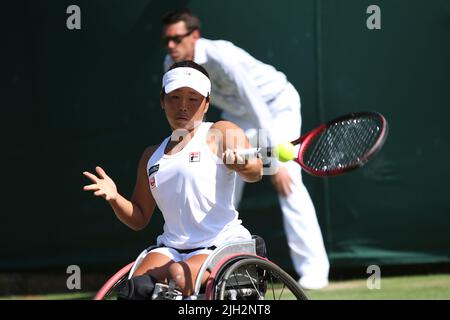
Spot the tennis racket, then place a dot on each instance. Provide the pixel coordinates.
(338, 146)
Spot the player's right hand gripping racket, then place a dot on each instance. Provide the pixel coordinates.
(341, 145)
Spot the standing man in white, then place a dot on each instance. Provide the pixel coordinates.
(256, 96)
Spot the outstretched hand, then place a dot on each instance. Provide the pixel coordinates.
(103, 185)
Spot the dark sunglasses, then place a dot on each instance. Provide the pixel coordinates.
(176, 39)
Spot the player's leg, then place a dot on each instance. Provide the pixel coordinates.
(185, 273)
(151, 270)
(156, 264)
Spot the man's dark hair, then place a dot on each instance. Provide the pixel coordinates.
(189, 64)
(184, 14)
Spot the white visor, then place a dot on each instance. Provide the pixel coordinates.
(186, 77)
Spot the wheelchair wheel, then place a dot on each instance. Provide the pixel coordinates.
(113, 282)
(256, 279)
(217, 272)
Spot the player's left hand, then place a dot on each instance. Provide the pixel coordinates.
(103, 185)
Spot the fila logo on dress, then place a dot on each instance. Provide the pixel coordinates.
(152, 180)
(194, 156)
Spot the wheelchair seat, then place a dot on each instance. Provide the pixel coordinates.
(237, 270)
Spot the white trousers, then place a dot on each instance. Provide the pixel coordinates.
(299, 216)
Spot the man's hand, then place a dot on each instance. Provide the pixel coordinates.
(103, 186)
(282, 181)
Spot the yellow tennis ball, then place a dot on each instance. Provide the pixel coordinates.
(285, 152)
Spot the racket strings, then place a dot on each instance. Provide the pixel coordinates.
(342, 144)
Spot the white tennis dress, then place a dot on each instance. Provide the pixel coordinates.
(194, 191)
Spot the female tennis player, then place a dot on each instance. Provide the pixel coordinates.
(190, 176)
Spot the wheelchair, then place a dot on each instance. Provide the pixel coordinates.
(238, 271)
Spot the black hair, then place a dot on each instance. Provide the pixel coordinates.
(183, 14)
